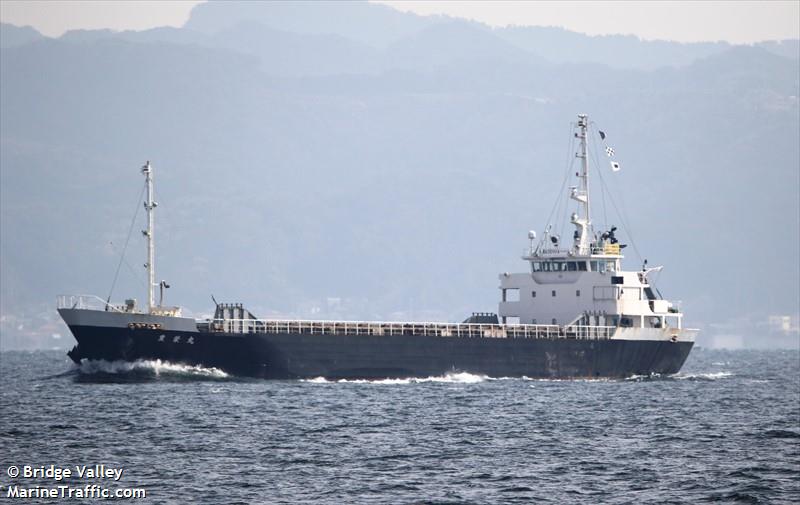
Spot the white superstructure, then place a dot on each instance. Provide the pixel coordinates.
(583, 284)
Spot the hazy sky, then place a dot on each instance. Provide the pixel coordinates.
(684, 21)
(732, 21)
(54, 17)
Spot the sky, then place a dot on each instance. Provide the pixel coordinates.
(738, 22)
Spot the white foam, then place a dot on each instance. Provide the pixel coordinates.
(157, 366)
(451, 378)
(640, 377)
(706, 376)
(316, 380)
(457, 378)
(375, 381)
(682, 376)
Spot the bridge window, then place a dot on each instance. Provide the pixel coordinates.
(572, 266)
(537, 267)
(598, 266)
(582, 266)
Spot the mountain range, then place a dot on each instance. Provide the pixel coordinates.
(346, 160)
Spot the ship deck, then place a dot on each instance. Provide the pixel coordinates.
(435, 329)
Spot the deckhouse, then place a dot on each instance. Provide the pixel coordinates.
(584, 284)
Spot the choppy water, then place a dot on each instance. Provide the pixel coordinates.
(726, 429)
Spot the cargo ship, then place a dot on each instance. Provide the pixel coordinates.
(573, 313)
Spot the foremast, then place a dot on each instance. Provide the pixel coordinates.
(582, 218)
(149, 206)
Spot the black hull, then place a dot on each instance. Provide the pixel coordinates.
(292, 356)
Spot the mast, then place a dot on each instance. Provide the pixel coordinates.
(149, 206)
(581, 219)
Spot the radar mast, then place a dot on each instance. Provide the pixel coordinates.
(581, 219)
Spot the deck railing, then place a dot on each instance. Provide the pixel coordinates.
(464, 330)
(85, 302)
(544, 253)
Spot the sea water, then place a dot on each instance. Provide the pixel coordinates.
(725, 429)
